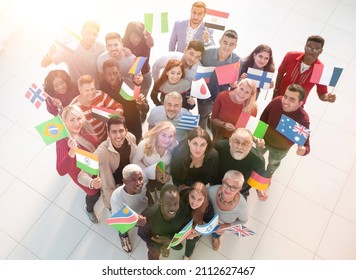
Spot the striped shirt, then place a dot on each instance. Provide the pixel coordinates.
(101, 100)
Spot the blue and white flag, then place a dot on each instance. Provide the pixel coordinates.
(293, 130)
(188, 122)
(208, 228)
(261, 78)
(204, 72)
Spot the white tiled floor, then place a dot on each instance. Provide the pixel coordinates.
(311, 212)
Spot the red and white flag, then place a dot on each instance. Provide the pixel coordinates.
(199, 89)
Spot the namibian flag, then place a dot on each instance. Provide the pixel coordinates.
(53, 130)
(124, 220)
(258, 128)
(138, 64)
(216, 19)
(87, 162)
(258, 182)
(180, 236)
(323, 75)
(127, 93)
(36, 95)
(103, 114)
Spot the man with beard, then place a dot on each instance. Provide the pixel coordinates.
(297, 68)
(237, 153)
(114, 154)
(163, 221)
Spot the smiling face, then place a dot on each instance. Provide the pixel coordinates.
(165, 138)
(290, 101)
(112, 76)
(169, 204)
(172, 107)
(312, 50)
(242, 93)
(196, 199)
(197, 146)
(134, 183)
(87, 92)
(227, 45)
(74, 123)
(196, 16)
(174, 75)
(114, 47)
(89, 36)
(117, 134)
(191, 57)
(59, 85)
(261, 59)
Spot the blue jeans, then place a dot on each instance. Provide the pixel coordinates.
(275, 157)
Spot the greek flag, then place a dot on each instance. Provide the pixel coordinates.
(188, 122)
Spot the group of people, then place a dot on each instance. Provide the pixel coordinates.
(206, 169)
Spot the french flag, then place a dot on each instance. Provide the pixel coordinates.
(323, 75)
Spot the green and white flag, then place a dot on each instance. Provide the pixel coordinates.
(87, 162)
(127, 93)
(258, 128)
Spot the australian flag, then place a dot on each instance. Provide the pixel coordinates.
(293, 130)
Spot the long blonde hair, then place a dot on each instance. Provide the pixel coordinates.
(151, 136)
(250, 104)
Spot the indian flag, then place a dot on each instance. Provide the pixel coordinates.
(258, 182)
(87, 162)
(127, 93)
(216, 19)
(258, 128)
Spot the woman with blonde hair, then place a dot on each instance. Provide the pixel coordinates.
(172, 79)
(156, 146)
(82, 136)
(228, 106)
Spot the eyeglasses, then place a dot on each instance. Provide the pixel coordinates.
(314, 50)
(232, 188)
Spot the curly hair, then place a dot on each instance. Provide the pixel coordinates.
(48, 82)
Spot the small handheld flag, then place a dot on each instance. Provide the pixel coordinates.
(52, 130)
(324, 75)
(208, 228)
(188, 122)
(180, 236)
(216, 19)
(204, 72)
(228, 73)
(261, 78)
(68, 40)
(87, 162)
(148, 20)
(103, 114)
(138, 64)
(124, 220)
(293, 130)
(199, 89)
(258, 182)
(258, 128)
(241, 231)
(36, 95)
(160, 167)
(127, 93)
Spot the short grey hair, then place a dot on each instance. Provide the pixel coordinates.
(129, 169)
(174, 95)
(234, 175)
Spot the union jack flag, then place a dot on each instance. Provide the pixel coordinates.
(301, 130)
(36, 95)
(241, 231)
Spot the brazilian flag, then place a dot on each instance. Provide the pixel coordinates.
(52, 130)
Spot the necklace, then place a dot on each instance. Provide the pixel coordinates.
(228, 203)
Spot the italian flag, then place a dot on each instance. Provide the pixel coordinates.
(128, 94)
(87, 162)
(258, 182)
(258, 128)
